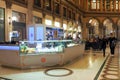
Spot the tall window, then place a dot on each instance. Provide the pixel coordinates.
(69, 14)
(2, 25)
(19, 24)
(103, 5)
(98, 4)
(89, 4)
(64, 11)
(37, 20)
(73, 16)
(37, 3)
(57, 9)
(112, 5)
(107, 5)
(117, 4)
(48, 4)
(93, 4)
(18, 17)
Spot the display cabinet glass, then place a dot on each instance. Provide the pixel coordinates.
(44, 47)
(36, 54)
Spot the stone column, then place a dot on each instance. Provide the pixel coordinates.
(119, 6)
(84, 30)
(87, 8)
(101, 5)
(114, 5)
(53, 21)
(61, 12)
(29, 15)
(8, 19)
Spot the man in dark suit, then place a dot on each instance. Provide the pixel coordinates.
(112, 43)
(103, 45)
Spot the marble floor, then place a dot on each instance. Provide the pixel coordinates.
(90, 66)
(111, 69)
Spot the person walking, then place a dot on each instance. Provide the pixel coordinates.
(103, 45)
(112, 44)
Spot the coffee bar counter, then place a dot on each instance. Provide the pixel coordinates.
(35, 54)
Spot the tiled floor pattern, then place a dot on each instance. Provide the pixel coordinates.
(111, 70)
(84, 68)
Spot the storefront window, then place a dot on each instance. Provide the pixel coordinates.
(19, 24)
(37, 20)
(2, 25)
(18, 17)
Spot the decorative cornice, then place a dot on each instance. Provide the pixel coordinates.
(93, 13)
(8, 4)
(19, 3)
(99, 14)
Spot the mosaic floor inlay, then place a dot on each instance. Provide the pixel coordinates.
(111, 69)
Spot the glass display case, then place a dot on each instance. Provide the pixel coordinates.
(43, 47)
(35, 54)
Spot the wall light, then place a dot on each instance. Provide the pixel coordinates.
(90, 21)
(79, 29)
(57, 24)
(9, 20)
(48, 22)
(14, 18)
(64, 26)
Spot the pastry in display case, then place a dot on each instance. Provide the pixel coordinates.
(41, 47)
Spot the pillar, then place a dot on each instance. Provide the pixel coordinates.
(29, 16)
(8, 19)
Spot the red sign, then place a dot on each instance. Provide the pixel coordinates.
(43, 60)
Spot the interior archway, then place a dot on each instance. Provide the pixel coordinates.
(93, 28)
(108, 27)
